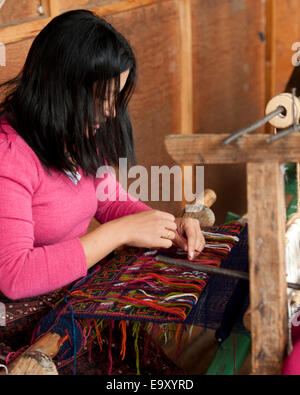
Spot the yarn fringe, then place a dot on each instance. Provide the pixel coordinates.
(159, 333)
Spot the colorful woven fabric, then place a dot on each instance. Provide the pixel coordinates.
(24, 315)
(132, 286)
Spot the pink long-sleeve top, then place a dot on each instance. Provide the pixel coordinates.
(42, 218)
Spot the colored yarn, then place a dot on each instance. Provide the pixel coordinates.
(98, 335)
(123, 349)
(135, 289)
(135, 332)
(110, 346)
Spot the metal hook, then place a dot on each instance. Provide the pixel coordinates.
(255, 125)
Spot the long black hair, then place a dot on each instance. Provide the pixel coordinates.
(73, 63)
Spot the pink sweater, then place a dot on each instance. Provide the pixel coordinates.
(42, 218)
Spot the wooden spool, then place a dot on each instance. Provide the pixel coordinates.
(200, 208)
(287, 118)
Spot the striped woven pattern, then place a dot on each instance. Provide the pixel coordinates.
(133, 286)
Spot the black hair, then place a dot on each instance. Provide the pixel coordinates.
(73, 63)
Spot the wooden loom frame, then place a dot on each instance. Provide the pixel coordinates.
(266, 218)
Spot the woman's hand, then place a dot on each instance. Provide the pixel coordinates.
(159, 229)
(188, 236)
(149, 229)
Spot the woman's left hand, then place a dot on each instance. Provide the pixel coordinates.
(188, 236)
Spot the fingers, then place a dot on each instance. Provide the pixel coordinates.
(167, 227)
(168, 234)
(191, 235)
(195, 238)
(174, 232)
(200, 241)
(164, 243)
(180, 241)
(163, 215)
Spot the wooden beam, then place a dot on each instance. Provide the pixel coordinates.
(23, 31)
(186, 89)
(208, 148)
(268, 296)
(270, 54)
(270, 49)
(54, 8)
(186, 55)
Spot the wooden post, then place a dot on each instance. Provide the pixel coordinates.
(268, 295)
(186, 56)
(54, 8)
(186, 91)
(266, 217)
(270, 53)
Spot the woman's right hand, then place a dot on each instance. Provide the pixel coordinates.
(149, 229)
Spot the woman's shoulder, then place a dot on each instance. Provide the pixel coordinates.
(16, 157)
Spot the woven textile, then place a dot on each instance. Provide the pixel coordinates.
(132, 286)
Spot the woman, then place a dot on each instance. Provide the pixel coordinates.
(65, 113)
(63, 117)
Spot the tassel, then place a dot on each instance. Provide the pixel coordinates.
(123, 349)
(111, 325)
(135, 333)
(98, 335)
(74, 337)
(181, 330)
(61, 342)
(177, 332)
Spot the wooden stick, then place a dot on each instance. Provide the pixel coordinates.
(186, 55)
(203, 268)
(212, 269)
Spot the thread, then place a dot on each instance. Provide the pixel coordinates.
(123, 347)
(135, 332)
(98, 335)
(111, 327)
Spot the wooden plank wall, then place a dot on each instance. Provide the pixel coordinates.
(204, 66)
(285, 30)
(229, 83)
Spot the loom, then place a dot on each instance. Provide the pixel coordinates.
(270, 258)
(38, 357)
